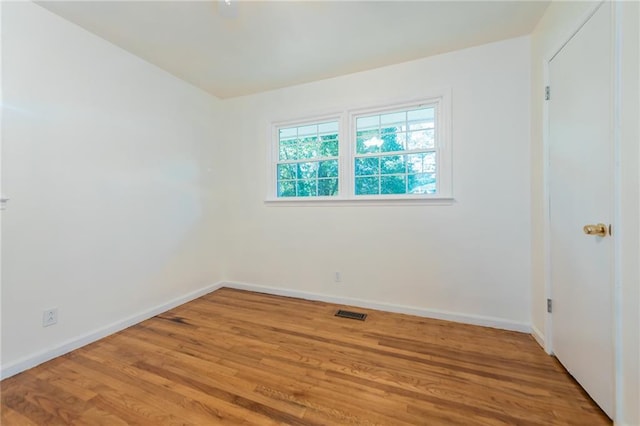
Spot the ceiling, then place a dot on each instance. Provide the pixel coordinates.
(252, 46)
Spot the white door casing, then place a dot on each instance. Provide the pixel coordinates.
(580, 174)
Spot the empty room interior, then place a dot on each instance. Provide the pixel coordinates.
(320, 212)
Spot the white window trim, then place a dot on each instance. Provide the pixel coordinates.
(346, 155)
(274, 154)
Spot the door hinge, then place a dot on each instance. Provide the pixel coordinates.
(547, 93)
(549, 306)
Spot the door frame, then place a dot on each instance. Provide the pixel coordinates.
(615, 114)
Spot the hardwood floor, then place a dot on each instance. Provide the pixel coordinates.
(236, 357)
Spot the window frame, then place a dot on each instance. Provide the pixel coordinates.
(442, 147)
(274, 158)
(346, 119)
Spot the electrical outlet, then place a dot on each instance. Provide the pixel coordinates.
(337, 277)
(49, 317)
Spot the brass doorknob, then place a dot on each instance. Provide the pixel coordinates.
(599, 230)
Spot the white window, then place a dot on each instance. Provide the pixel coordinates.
(394, 152)
(307, 162)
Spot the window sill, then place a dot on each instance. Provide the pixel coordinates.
(332, 202)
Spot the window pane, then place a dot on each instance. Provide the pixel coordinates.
(390, 141)
(367, 166)
(327, 187)
(423, 183)
(329, 137)
(286, 171)
(392, 164)
(306, 131)
(308, 139)
(396, 119)
(307, 150)
(307, 170)
(289, 133)
(331, 127)
(288, 150)
(421, 125)
(421, 119)
(307, 188)
(368, 141)
(364, 123)
(287, 188)
(328, 168)
(422, 114)
(367, 186)
(393, 184)
(422, 163)
(329, 149)
(401, 139)
(422, 139)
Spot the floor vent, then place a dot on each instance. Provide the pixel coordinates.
(351, 315)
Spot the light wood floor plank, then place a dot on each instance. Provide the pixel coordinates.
(236, 357)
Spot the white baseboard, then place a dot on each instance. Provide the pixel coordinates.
(389, 307)
(538, 336)
(37, 358)
(32, 360)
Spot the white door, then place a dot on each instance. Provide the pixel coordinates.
(580, 193)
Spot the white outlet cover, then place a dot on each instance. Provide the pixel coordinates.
(49, 317)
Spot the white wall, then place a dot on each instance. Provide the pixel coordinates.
(470, 258)
(559, 22)
(110, 164)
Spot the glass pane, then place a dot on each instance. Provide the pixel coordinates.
(423, 183)
(422, 163)
(422, 139)
(287, 188)
(328, 168)
(421, 125)
(307, 170)
(331, 127)
(308, 150)
(389, 131)
(390, 141)
(306, 131)
(421, 118)
(364, 123)
(329, 137)
(393, 184)
(308, 139)
(289, 133)
(392, 164)
(401, 139)
(366, 185)
(422, 114)
(368, 141)
(307, 188)
(289, 150)
(394, 119)
(286, 171)
(329, 149)
(367, 166)
(328, 187)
